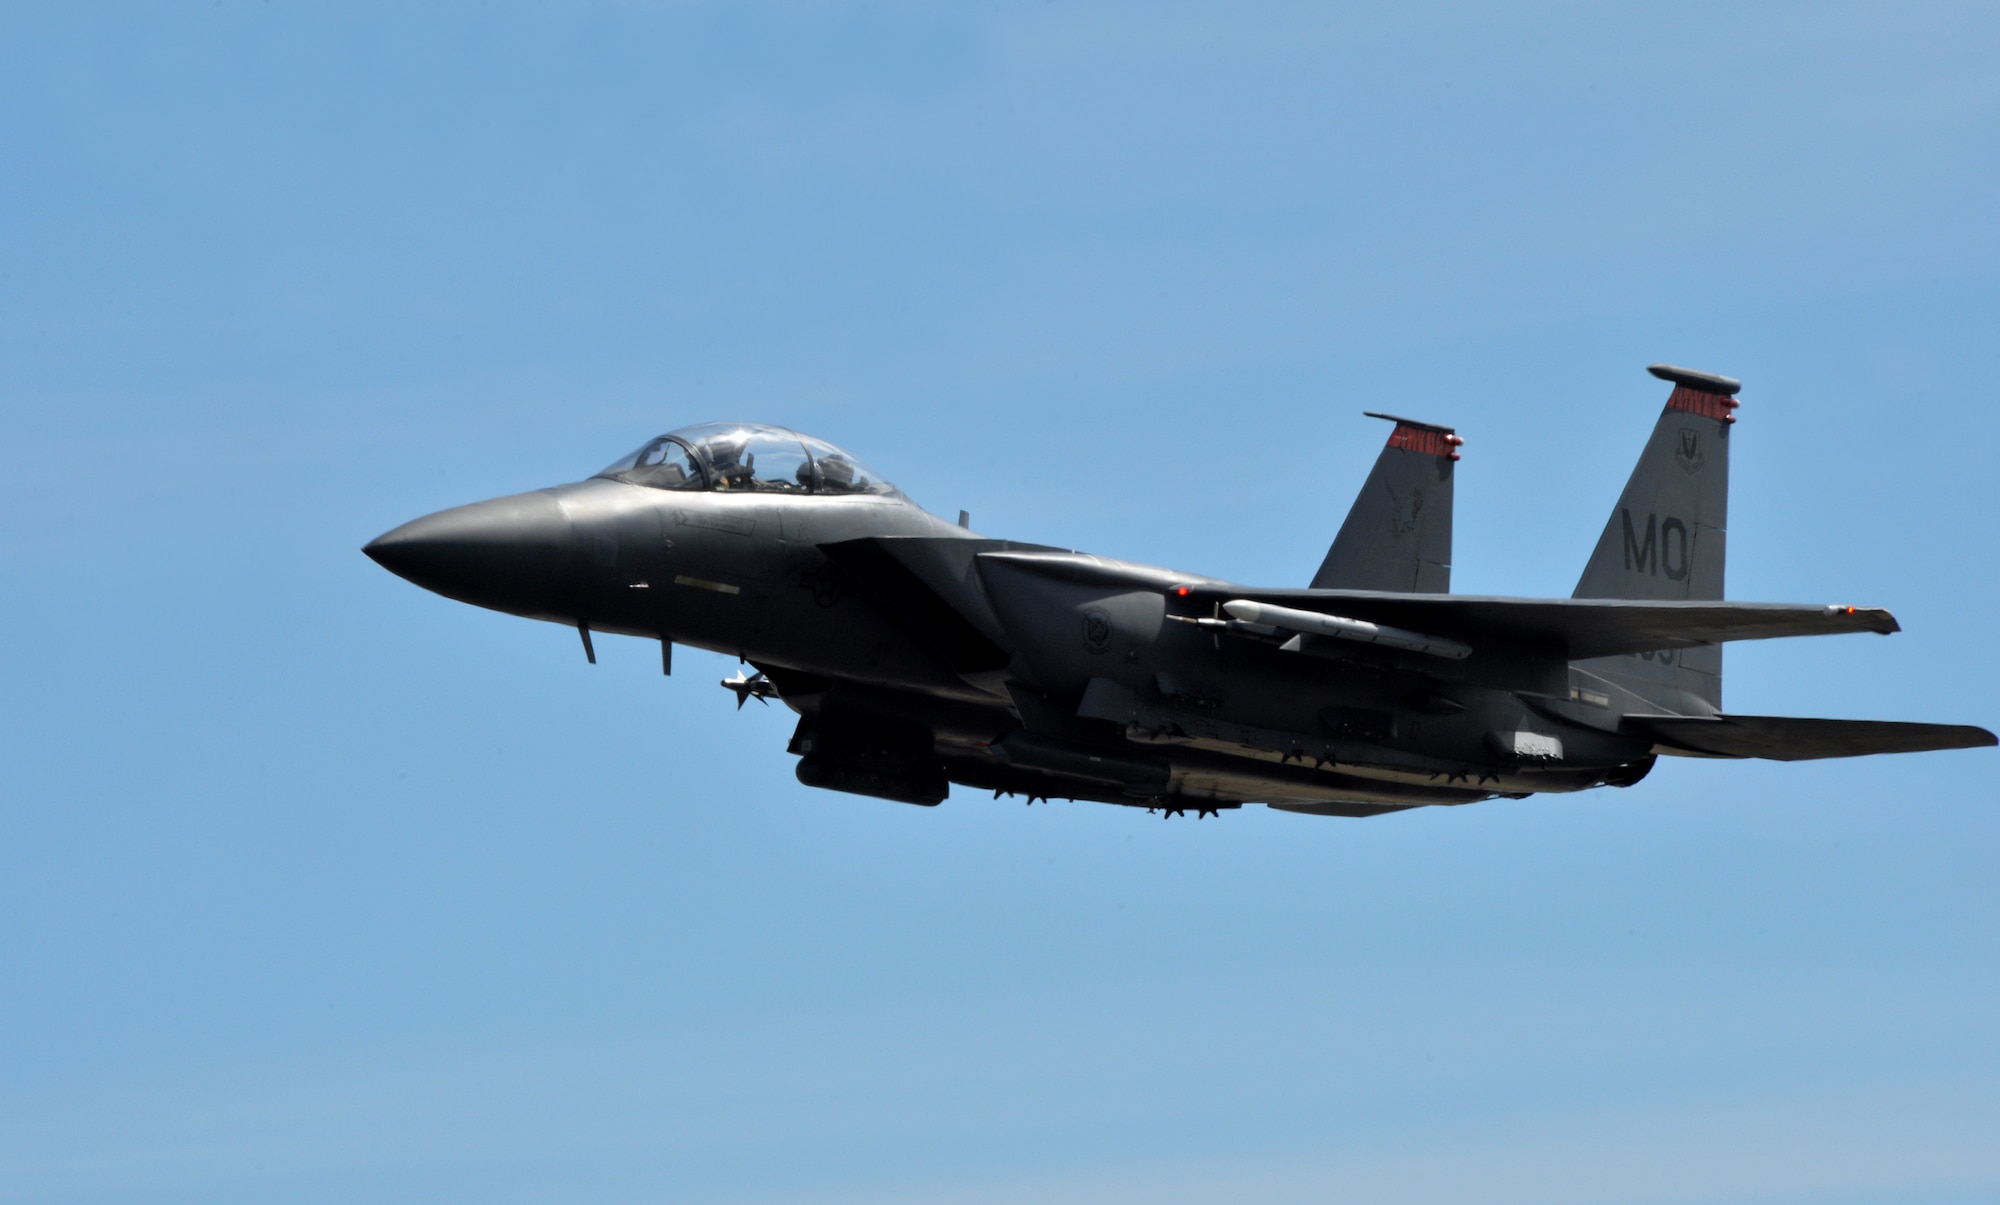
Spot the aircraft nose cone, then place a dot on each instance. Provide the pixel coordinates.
(510, 554)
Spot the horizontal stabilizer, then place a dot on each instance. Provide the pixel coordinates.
(1789, 738)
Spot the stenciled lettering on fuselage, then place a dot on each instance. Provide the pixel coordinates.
(1662, 549)
(736, 525)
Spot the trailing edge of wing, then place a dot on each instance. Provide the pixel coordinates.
(1790, 738)
(1585, 627)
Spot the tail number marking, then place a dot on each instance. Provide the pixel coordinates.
(1664, 548)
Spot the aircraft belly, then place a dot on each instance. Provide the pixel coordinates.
(1250, 784)
(1462, 750)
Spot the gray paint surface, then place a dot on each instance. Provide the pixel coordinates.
(918, 654)
(1397, 536)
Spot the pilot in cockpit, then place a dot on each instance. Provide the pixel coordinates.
(747, 457)
(836, 473)
(726, 460)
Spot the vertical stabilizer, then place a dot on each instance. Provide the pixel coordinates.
(1666, 538)
(1398, 534)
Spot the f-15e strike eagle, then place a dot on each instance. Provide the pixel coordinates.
(919, 654)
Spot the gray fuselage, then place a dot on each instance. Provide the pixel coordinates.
(1079, 685)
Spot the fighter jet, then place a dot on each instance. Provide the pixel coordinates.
(918, 653)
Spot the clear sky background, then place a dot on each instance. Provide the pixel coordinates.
(315, 887)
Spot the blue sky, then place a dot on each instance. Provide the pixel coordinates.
(315, 887)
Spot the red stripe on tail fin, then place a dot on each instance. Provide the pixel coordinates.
(1708, 405)
(1425, 439)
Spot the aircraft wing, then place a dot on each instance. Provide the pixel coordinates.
(1585, 627)
(1596, 627)
(1788, 738)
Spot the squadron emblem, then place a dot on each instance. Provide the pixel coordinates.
(1097, 630)
(826, 583)
(1689, 455)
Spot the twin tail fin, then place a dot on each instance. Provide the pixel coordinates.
(1666, 538)
(1397, 536)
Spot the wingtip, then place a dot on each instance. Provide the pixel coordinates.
(1868, 619)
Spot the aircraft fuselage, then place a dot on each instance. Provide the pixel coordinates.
(918, 653)
(1096, 692)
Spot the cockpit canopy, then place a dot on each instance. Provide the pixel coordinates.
(747, 456)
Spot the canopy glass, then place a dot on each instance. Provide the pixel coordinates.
(746, 456)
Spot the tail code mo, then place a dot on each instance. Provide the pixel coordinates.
(1663, 548)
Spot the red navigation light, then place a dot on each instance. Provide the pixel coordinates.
(1183, 592)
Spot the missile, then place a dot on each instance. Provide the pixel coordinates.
(1313, 623)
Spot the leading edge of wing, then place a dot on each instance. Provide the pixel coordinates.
(1583, 627)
